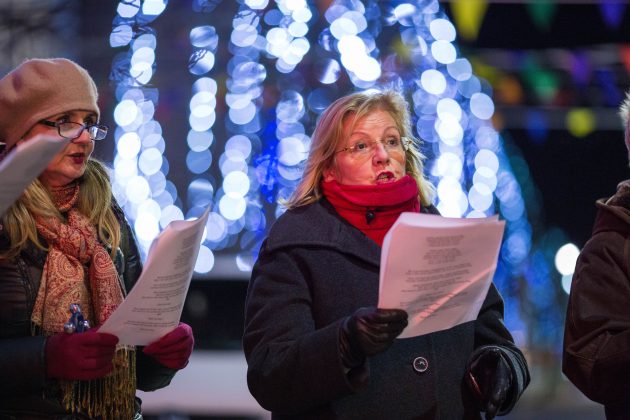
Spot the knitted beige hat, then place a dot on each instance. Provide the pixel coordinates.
(40, 88)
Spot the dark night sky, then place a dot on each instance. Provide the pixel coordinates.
(570, 173)
(510, 25)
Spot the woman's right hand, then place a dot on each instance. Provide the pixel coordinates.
(80, 356)
(369, 331)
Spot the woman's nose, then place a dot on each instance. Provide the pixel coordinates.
(84, 137)
(381, 155)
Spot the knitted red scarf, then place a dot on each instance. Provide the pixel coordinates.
(373, 209)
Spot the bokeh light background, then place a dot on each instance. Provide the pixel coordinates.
(212, 102)
(274, 71)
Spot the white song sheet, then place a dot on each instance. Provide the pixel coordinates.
(154, 306)
(23, 164)
(438, 269)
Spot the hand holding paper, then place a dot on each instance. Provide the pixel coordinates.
(154, 306)
(369, 331)
(438, 269)
(80, 356)
(173, 349)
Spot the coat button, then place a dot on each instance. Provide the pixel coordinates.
(420, 364)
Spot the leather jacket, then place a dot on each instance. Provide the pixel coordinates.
(22, 361)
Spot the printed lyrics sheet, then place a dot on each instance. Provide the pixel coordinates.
(438, 269)
(154, 305)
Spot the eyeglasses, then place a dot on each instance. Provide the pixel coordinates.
(366, 148)
(72, 130)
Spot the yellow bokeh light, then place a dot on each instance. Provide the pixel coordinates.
(580, 122)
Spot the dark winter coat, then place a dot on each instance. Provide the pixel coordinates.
(314, 270)
(22, 364)
(596, 355)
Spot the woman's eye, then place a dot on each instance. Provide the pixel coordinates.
(393, 141)
(360, 146)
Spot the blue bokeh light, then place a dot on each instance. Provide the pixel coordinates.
(279, 77)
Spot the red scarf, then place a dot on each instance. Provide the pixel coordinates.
(373, 209)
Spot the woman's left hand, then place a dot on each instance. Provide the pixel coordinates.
(173, 349)
(490, 379)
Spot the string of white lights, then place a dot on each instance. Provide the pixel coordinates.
(139, 176)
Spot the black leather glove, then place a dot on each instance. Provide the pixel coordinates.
(490, 378)
(369, 331)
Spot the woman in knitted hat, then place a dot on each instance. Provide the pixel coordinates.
(65, 241)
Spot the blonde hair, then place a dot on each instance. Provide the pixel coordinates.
(95, 202)
(328, 135)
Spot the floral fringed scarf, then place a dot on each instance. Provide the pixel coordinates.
(78, 269)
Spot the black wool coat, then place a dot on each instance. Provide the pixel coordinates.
(314, 270)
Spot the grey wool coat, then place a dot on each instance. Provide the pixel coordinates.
(314, 270)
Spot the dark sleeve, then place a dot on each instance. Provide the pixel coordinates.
(132, 266)
(150, 374)
(292, 366)
(596, 356)
(22, 362)
(22, 366)
(21, 356)
(490, 332)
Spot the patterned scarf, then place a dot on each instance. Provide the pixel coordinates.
(373, 209)
(73, 252)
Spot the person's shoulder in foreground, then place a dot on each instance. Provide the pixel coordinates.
(596, 348)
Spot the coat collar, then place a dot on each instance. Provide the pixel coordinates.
(614, 212)
(319, 225)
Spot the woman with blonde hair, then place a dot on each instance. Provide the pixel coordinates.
(316, 345)
(328, 135)
(67, 255)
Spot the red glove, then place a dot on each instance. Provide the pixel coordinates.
(173, 350)
(80, 356)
